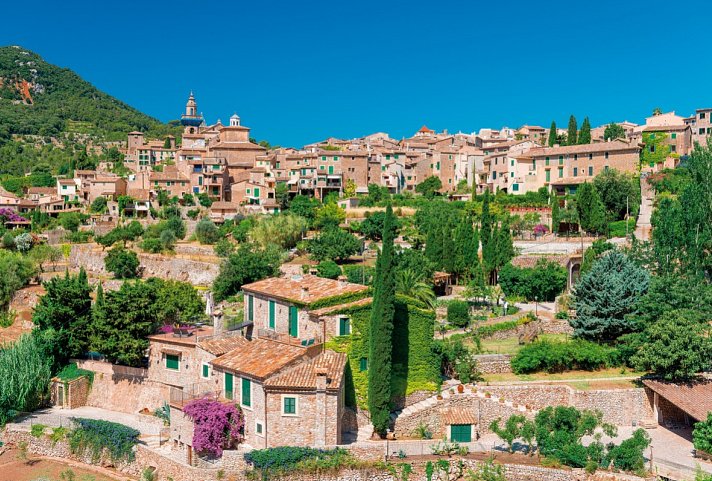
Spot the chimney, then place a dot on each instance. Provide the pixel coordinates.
(321, 378)
(218, 324)
(305, 292)
(343, 281)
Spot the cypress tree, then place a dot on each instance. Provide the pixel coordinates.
(464, 234)
(381, 332)
(449, 259)
(552, 134)
(504, 245)
(487, 236)
(592, 213)
(573, 131)
(585, 134)
(555, 213)
(434, 245)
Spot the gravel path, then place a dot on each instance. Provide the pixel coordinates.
(54, 417)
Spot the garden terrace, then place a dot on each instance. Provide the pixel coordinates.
(184, 337)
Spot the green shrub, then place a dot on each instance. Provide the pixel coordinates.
(37, 430)
(458, 313)
(552, 356)
(123, 263)
(543, 282)
(92, 436)
(286, 459)
(206, 232)
(328, 269)
(702, 435)
(617, 228)
(153, 246)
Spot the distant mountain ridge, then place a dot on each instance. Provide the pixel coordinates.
(38, 98)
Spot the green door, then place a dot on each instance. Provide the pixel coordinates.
(228, 386)
(246, 392)
(331, 169)
(293, 317)
(461, 433)
(250, 308)
(271, 314)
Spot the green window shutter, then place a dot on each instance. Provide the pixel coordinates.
(229, 393)
(363, 364)
(271, 314)
(533, 163)
(290, 405)
(395, 156)
(561, 172)
(331, 169)
(515, 187)
(461, 433)
(344, 326)
(388, 157)
(293, 321)
(547, 161)
(336, 158)
(250, 308)
(512, 162)
(323, 157)
(258, 428)
(257, 192)
(548, 175)
(590, 170)
(246, 392)
(674, 136)
(172, 362)
(206, 370)
(437, 166)
(575, 172)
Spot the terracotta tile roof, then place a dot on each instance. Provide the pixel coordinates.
(693, 398)
(459, 416)
(190, 340)
(614, 145)
(570, 181)
(666, 128)
(220, 205)
(259, 358)
(42, 190)
(304, 289)
(139, 194)
(530, 261)
(170, 175)
(221, 345)
(304, 375)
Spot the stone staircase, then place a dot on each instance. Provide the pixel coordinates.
(152, 441)
(647, 195)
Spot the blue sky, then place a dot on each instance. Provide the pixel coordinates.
(297, 72)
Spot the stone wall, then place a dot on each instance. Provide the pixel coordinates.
(123, 389)
(71, 394)
(537, 396)
(198, 270)
(494, 363)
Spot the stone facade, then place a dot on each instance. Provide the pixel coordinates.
(494, 363)
(70, 394)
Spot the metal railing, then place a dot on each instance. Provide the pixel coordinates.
(206, 389)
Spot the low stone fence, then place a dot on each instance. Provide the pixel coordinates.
(494, 363)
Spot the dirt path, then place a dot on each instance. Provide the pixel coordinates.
(12, 468)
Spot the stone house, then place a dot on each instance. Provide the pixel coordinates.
(108, 186)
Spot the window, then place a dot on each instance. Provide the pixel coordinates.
(561, 172)
(590, 170)
(437, 165)
(673, 148)
(561, 159)
(250, 308)
(534, 164)
(494, 175)
(344, 326)
(395, 156)
(547, 161)
(321, 167)
(229, 393)
(331, 169)
(363, 364)
(590, 156)
(388, 157)
(511, 162)
(702, 116)
(702, 130)
(606, 156)
(271, 314)
(605, 168)
(575, 171)
(515, 187)
(293, 321)
(461, 433)
(289, 405)
(258, 428)
(652, 148)
(323, 157)
(172, 362)
(673, 136)
(205, 372)
(548, 175)
(246, 397)
(575, 156)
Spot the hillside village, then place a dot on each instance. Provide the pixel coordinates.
(530, 303)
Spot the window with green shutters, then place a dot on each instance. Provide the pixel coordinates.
(336, 158)
(172, 362)
(547, 161)
(250, 308)
(548, 175)
(229, 392)
(561, 159)
(271, 314)
(515, 187)
(590, 170)
(575, 171)
(561, 172)
(323, 157)
(461, 433)
(257, 192)
(363, 364)
(246, 398)
(673, 136)
(258, 428)
(206, 371)
(344, 326)
(331, 169)
(290, 405)
(293, 321)
(511, 162)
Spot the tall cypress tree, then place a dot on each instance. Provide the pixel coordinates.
(552, 134)
(573, 131)
(381, 332)
(592, 213)
(464, 240)
(585, 134)
(555, 213)
(449, 259)
(487, 236)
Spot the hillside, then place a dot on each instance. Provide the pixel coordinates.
(38, 98)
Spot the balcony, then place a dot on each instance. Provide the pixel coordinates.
(180, 397)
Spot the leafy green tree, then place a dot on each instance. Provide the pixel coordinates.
(284, 230)
(328, 269)
(15, 272)
(590, 209)
(177, 301)
(606, 297)
(70, 221)
(372, 225)
(669, 293)
(458, 313)
(248, 264)
(702, 434)
(429, 187)
(416, 261)
(123, 263)
(66, 308)
(552, 134)
(572, 133)
(43, 253)
(333, 244)
(543, 282)
(584, 136)
(206, 232)
(305, 207)
(123, 320)
(515, 427)
(99, 205)
(613, 131)
(329, 215)
(628, 455)
(618, 192)
(678, 347)
(381, 331)
(281, 195)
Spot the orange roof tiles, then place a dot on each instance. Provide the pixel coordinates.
(259, 358)
(304, 375)
(304, 289)
(221, 345)
(694, 398)
(459, 416)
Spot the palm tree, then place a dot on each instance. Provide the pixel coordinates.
(411, 284)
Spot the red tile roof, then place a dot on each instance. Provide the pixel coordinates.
(304, 375)
(304, 289)
(259, 358)
(694, 398)
(221, 345)
(459, 416)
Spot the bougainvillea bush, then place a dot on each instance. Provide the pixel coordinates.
(218, 426)
(9, 215)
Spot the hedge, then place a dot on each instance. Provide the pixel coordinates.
(552, 356)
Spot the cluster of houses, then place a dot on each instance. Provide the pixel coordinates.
(241, 177)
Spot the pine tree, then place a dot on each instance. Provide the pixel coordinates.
(585, 134)
(381, 332)
(573, 131)
(552, 134)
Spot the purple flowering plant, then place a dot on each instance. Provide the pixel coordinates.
(218, 426)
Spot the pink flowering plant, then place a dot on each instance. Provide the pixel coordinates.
(540, 229)
(9, 215)
(218, 426)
